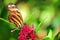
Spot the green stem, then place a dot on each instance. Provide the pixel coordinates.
(38, 27)
(11, 24)
(5, 20)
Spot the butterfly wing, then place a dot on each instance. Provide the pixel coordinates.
(15, 17)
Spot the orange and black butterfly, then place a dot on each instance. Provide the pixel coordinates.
(15, 15)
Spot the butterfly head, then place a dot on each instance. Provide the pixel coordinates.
(11, 6)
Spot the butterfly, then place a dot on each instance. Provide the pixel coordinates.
(15, 15)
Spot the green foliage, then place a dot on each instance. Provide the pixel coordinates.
(6, 2)
(5, 25)
(57, 37)
(1, 5)
(47, 39)
(42, 13)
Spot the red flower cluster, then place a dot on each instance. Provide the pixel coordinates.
(27, 33)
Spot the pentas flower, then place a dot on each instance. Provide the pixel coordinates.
(27, 33)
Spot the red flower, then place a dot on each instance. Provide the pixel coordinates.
(21, 37)
(27, 32)
(33, 36)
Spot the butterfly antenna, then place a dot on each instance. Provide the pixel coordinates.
(14, 29)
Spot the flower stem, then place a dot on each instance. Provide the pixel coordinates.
(5, 20)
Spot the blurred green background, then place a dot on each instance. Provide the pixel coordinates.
(43, 14)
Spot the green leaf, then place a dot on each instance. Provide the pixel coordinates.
(9, 1)
(5, 30)
(57, 37)
(4, 13)
(49, 36)
(1, 5)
